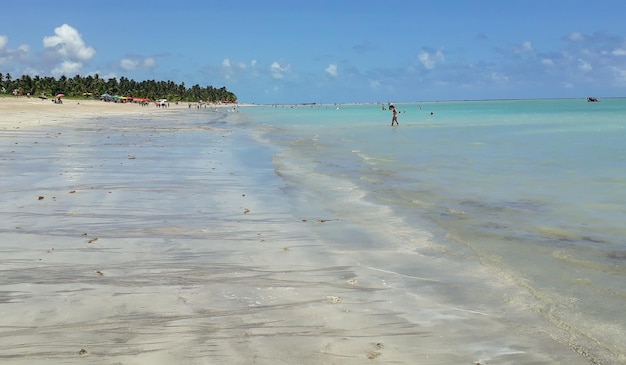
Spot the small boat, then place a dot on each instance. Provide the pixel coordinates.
(592, 99)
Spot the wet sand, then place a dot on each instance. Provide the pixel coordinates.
(130, 236)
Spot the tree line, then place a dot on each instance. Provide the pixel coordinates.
(95, 86)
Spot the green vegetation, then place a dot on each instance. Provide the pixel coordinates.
(94, 87)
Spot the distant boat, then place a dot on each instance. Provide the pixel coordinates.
(592, 99)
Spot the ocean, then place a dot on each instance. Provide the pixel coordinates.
(513, 203)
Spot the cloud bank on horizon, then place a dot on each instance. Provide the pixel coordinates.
(359, 55)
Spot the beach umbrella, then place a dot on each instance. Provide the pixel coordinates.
(60, 95)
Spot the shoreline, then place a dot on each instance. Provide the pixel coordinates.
(150, 237)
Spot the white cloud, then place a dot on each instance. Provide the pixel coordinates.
(584, 66)
(547, 62)
(67, 68)
(106, 76)
(68, 43)
(331, 70)
(525, 47)
(228, 70)
(12, 55)
(615, 52)
(429, 60)
(278, 70)
(231, 66)
(135, 64)
(4, 40)
(621, 75)
(149, 62)
(128, 64)
(576, 37)
(499, 78)
(32, 71)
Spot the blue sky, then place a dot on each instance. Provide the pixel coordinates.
(329, 51)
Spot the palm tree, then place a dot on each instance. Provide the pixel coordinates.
(78, 86)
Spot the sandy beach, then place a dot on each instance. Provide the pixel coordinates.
(33, 112)
(103, 267)
(131, 236)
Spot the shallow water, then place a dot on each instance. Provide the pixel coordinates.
(532, 190)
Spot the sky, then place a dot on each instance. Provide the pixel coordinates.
(278, 51)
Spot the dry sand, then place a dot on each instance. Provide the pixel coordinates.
(33, 112)
(129, 237)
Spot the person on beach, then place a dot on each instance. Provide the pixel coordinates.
(394, 119)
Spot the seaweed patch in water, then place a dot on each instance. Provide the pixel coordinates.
(617, 255)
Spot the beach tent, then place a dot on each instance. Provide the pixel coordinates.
(105, 97)
(140, 100)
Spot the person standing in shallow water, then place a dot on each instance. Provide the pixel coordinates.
(394, 119)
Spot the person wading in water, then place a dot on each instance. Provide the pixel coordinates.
(394, 119)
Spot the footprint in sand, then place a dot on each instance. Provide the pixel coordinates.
(374, 354)
(334, 299)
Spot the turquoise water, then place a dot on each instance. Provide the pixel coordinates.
(532, 190)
